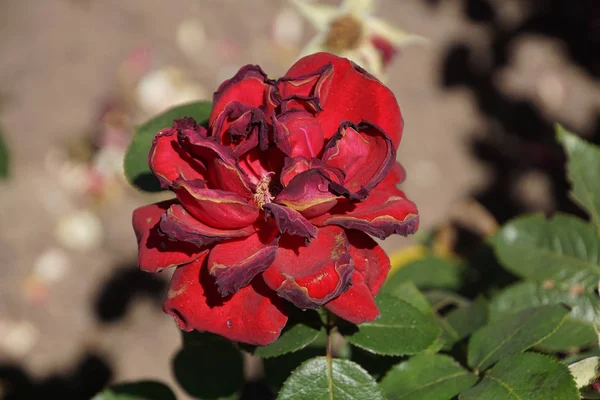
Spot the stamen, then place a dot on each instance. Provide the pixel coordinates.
(262, 195)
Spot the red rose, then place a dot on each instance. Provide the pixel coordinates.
(276, 200)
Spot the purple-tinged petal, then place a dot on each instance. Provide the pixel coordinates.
(236, 262)
(178, 224)
(381, 215)
(290, 221)
(218, 208)
(314, 274)
(365, 153)
(156, 251)
(241, 127)
(308, 193)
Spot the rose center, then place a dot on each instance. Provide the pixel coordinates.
(262, 195)
(345, 33)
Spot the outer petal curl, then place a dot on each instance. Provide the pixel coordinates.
(311, 275)
(353, 96)
(155, 251)
(381, 215)
(254, 315)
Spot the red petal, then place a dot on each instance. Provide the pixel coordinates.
(309, 194)
(298, 133)
(177, 224)
(353, 96)
(382, 214)
(290, 221)
(216, 208)
(365, 153)
(223, 169)
(297, 165)
(168, 161)
(311, 275)
(236, 262)
(250, 86)
(370, 260)
(254, 315)
(357, 305)
(155, 251)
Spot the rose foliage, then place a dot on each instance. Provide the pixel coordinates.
(277, 200)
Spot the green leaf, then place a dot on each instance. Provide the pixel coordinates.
(333, 379)
(278, 369)
(463, 321)
(374, 364)
(578, 328)
(4, 158)
(143, 390)
(409, 292)
(136, 159)
(401, 329)
(513, 334)
(426, 273)
(431, 377)
(303, 328)
(583, 164)
(586, 371)
(527, 376)
(208, 367)
(564, 249)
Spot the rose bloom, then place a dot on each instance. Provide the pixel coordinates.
(276, 200)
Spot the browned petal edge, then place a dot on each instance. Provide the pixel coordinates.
(380, 227)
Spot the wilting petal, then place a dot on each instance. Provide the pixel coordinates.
(216, 208)
(308, 193)
(221, 164)
(155, 251)
(353, 96)
(390, 183)
(311, 275)
(254, 315)
(241, 127)
(250, 86)
(290, 221)
(258, 164)
(357, 304)
(370, 260)
(298, 133)
(236, 262)
(380, 215)
(178, 224)
(365, 153)
(313, 87)
(168, 161)
(297, 165)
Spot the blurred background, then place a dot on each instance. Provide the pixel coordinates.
(479, 96)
